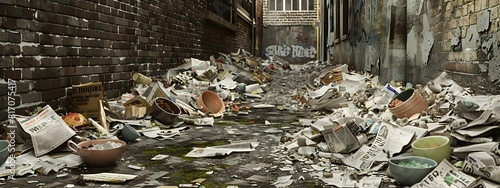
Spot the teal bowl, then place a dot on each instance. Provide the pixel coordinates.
(409, 175)
(4, 151)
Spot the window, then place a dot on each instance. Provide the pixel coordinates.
(340, 22)
(291, 5)
(222, 8)
(246, 4)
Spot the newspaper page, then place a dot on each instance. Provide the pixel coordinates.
(223, 150)
(446, 176)
(389, 139)
(43, 124)
(482, 164)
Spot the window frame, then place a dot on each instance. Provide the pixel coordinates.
(284, 5)
(340, 20)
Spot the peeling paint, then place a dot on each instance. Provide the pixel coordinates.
(455, 39)
(483, 67)
(494, 64)
(420, 7)
(486, 45)
(412, 45)
(371, 58)
(483, 21)
(428, 40)
(471, 39)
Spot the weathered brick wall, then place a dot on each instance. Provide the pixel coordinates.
(466, 38)
(416, 41)
(47, 46)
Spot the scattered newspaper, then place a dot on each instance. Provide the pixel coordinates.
(482, 164)
(29, 164)
(223, 150)
(389, 140)
(446, 176)
(44, 123)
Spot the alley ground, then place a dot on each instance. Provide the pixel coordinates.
(259, 168)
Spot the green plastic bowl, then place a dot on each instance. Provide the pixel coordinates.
(410, 175)
(434, 147)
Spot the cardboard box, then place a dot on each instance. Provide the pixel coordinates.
(85, 99)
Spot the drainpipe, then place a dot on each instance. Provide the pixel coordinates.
(254, 4)
(317, 27)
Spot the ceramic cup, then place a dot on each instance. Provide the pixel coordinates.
(129, 134)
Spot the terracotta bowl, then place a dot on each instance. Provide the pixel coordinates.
(210, 102)
(98, 158)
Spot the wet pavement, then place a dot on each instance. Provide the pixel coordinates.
(259, 168)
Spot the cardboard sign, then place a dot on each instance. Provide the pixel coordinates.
(86, 97)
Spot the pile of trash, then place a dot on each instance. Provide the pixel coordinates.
(193, 93)
(439, 134)
(446, 132)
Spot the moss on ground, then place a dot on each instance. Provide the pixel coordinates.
(181, 150)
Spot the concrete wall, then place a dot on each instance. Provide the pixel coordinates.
(47, 46)
(296, 44)
(417, 40)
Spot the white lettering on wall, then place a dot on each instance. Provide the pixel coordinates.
(293, 50)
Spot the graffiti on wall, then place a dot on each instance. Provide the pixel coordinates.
(294, 51)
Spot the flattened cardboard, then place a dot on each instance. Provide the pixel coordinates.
(85, 99)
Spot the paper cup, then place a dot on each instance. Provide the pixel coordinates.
(141, 79)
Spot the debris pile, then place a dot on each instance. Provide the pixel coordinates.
(357, 128)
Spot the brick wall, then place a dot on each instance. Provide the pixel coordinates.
(475, 60)
(415, 42)
(47, 46)
(277, 18)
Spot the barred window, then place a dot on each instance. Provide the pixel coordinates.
(291, 5)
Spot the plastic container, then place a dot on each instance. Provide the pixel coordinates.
(164, 110)
(413, 104)
(141, 79)
(210, 102)
(435, 147)
(410, 175)
(98, 158)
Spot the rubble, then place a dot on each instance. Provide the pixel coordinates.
(357, 124)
